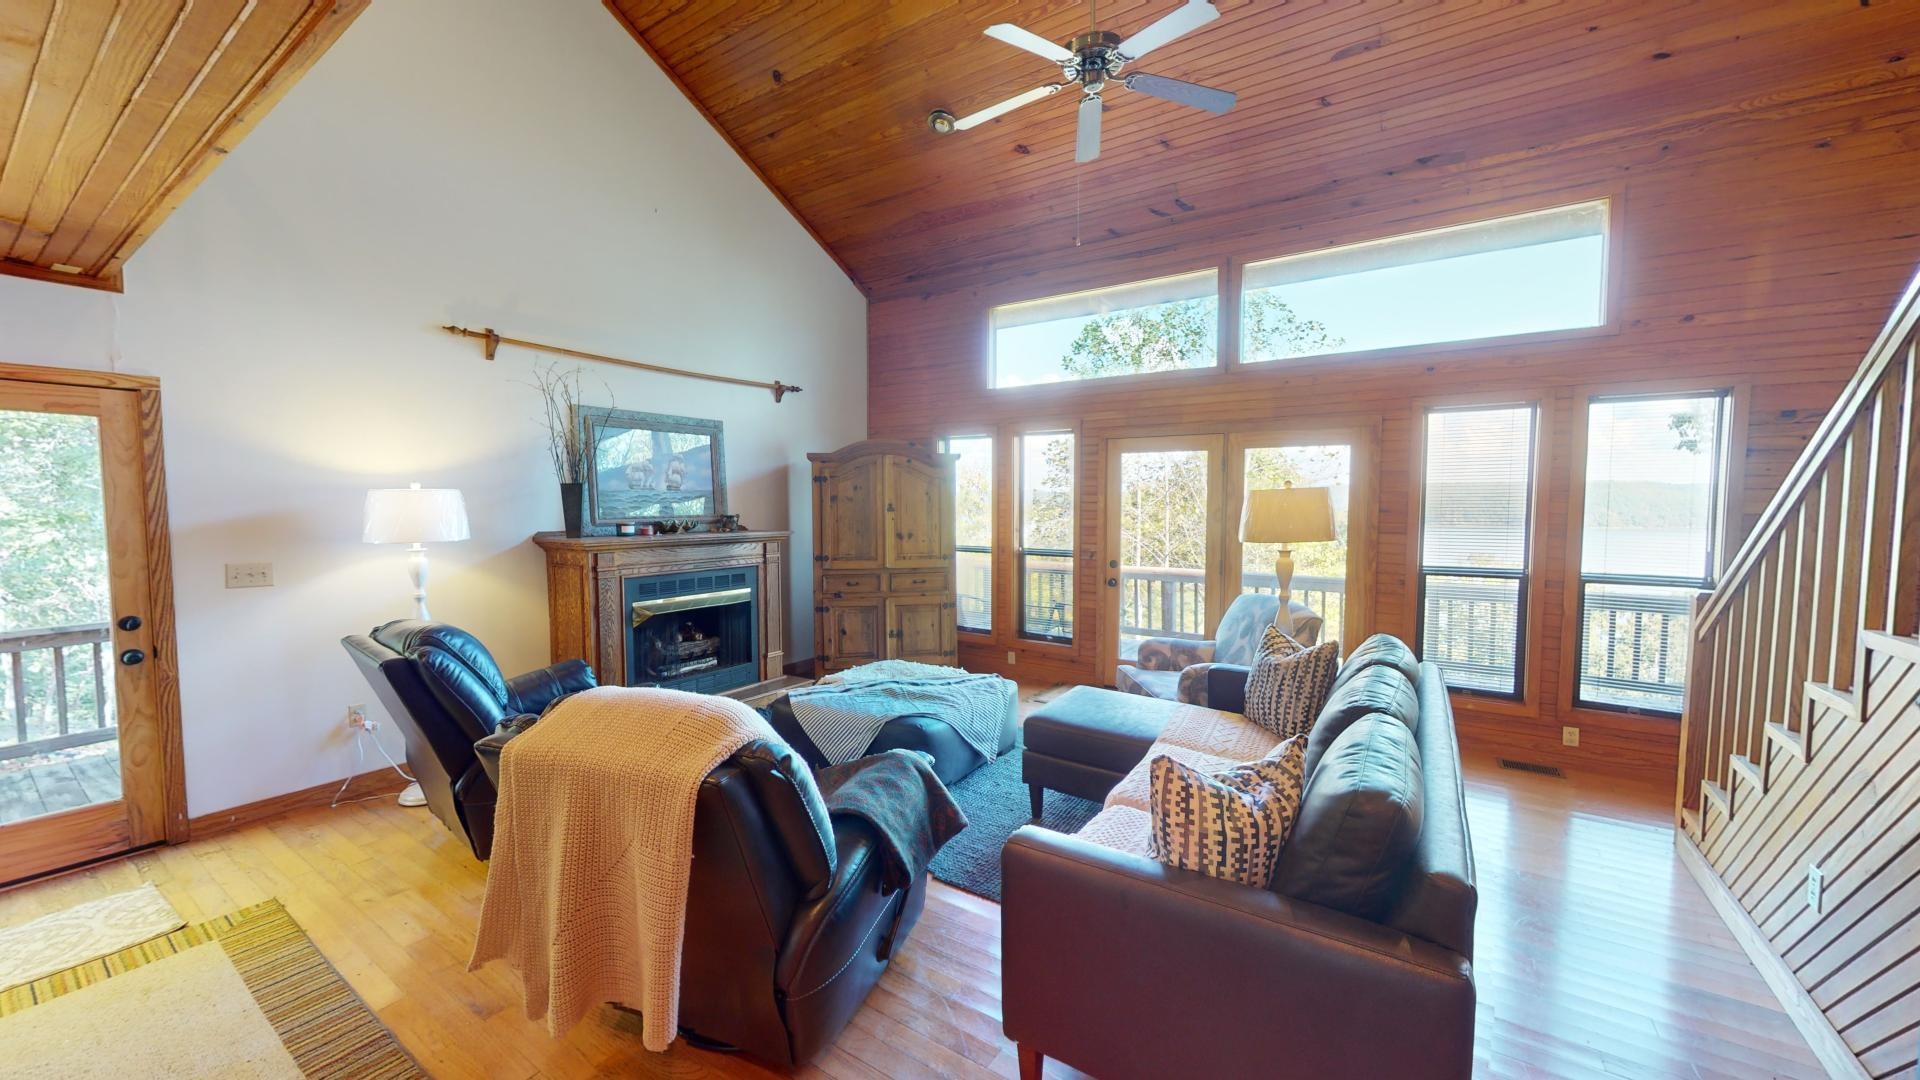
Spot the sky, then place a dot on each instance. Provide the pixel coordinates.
(1548, 286)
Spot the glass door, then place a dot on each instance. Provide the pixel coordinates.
(82, 769)
(1321, 568)
(1165, 532)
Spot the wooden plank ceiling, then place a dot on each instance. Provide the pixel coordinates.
(112, 110)
(828, 102)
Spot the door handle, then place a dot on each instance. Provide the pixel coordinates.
(132, 657)
(129, 623)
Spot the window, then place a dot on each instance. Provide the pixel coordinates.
(1514, 275)
(1046, 535)
(1168, 324)
(1476, 515)
(1647, 545)
(973, 530)
(1320, 569)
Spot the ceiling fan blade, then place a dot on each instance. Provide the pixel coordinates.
(1007, 106)
(1186, 93)
(1030, 41)
(1086, 145)
(1192, 15)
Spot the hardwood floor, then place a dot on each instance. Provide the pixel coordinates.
(1597, 955)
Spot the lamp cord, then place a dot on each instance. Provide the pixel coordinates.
(360, 763)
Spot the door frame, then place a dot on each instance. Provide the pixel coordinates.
(1214, 444)
(163, 816)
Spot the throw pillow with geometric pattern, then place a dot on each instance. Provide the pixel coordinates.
(1231, 825)
(1289, 683)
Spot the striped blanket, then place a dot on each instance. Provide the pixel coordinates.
(844, 711)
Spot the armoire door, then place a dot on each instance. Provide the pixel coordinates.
(919, 525)
(848, 515)
(852, 631)
(921, 628)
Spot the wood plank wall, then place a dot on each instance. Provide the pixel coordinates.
(1758, 244)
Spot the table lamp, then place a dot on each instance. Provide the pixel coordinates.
(1284, 516)
(417, 516)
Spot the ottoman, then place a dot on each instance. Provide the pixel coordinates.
(1086, 740)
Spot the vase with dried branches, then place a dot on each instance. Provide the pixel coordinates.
(572, 445)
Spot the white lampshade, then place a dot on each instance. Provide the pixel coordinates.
(1288, 515)
(415, 515)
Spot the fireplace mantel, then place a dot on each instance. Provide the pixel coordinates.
(586, 589)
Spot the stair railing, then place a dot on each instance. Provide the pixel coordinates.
(1835, 553)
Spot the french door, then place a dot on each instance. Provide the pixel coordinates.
(88, 755)
(1173, 560)
(1166, 566)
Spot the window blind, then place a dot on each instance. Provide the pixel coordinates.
(1476, 512)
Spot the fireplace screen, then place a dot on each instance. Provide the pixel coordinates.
(689, 635)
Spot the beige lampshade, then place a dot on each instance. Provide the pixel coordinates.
(415, 515)
(1288, 515)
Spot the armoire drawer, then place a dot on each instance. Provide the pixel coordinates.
(849, 584)
(918, 581)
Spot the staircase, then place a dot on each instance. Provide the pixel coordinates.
(1800, 741)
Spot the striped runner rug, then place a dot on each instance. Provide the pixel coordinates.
(325, 1027)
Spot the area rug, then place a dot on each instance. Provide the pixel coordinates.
(65, 938)
(995, 801)
(245, 995)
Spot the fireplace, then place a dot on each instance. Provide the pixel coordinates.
(697, 631)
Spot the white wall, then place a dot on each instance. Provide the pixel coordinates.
(481, 162)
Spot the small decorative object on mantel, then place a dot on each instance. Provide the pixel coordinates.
(729, 523)
(571, 446)
(647, 466)
(626, 528)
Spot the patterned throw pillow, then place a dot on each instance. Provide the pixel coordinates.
(1289, 683)
(1231, 825)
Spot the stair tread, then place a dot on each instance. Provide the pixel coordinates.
(1745, 766)
(1796, 741)
(1715, 794)
(1883, 641)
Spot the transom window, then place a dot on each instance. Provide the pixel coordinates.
(1649, 542)
(1476, 520)
(1167, 324)
(1524, 274)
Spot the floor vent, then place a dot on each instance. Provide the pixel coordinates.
(1532, 767)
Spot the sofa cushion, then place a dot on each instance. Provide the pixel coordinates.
(1378, 688)
(1289, 683)
(1122, 828)
(1359, 820)
(1231, 825)
(1101, 728)
(1211, 731)
(1135, 788)
(1380, 650)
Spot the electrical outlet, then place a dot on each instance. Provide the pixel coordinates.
(1570, 736)
(249, 575)
(356, 716)
(1816, 880)
(1011, 658)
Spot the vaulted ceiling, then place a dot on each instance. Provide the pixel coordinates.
(828, 103)
(112, 110)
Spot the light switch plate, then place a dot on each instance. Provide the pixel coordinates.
(1011, 658)
(1570, 736)
(249, 575)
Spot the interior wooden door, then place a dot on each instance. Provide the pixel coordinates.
(921, 628)
(918, 533)
(88, 764)
(849, 518)
(1165, 528)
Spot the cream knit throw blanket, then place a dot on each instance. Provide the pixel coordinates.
(592, 848)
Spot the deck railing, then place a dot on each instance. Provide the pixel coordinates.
(51, 704)
(1836, 553)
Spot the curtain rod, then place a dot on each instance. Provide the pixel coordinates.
(493, 340)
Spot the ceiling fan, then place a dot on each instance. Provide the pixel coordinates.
(1092, 61)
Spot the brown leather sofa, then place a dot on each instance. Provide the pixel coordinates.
(1357, 962)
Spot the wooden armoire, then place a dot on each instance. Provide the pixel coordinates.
(883, 555)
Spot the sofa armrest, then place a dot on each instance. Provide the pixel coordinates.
(488, 750)
(1172, 654)
(533, 691)
(1225, 686)
(1106, 954)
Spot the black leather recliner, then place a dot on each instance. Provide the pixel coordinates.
(445, 691)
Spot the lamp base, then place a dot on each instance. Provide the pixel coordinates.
(413, 796)
(1283, 572)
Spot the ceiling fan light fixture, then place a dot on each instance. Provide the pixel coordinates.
(941, 121)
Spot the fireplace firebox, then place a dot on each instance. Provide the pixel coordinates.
(694, 632)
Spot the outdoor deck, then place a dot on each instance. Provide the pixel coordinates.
(31, 787)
